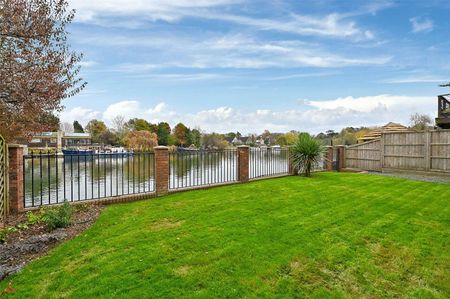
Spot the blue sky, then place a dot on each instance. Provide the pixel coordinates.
(231, 65)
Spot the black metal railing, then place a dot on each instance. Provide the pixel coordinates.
(192, 168)
(266, 161)
(53, 178)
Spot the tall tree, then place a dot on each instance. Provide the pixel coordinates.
(163, 133)
(194, 137)
(77, 127)
(50, 121)
(96, 128)
(180, 131)
(37, 68)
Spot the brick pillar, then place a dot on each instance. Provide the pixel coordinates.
(161, 170)
(243, 158)
(341, 157)
(328, 161)
(15, 172)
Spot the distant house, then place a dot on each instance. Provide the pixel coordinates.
(260, 141)
(59, 140)
(376, 133)
(238, 140)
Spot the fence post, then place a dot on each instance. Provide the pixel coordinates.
(243, 160)
(382, 149)
(340, 157)
(329, 158)
(15, 173)
(161, 170)
(427, 150)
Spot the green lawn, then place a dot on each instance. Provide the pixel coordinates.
(333, 235)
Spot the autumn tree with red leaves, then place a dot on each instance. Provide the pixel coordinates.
(37, 68)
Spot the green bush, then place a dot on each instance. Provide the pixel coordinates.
(59, 216)
(34, 218)
(306, 152)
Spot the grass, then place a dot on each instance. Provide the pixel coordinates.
(332, 235)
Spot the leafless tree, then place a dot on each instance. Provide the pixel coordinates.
(66, 127)
(118, 123)
(420, 122)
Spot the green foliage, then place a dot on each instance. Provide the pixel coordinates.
(341, 235)
(194, 138)
(163, 133)
(139, 124)
(306, 152)
(58, 216)
(96, 128)
(77, 127)
(35, 218)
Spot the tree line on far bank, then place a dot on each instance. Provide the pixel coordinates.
(138, 133)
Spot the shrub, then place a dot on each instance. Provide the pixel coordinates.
(34, 218)
(59, 216)
(306, 152)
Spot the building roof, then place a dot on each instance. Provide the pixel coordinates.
(76, 135)
(63, 135)
(387, 128)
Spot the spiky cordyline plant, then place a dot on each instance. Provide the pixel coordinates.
(305, 153)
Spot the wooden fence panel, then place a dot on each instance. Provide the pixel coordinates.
(415, 151)
(405, 150)
(364, 156)
(440, 151)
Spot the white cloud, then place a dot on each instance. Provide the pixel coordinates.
(313, 116)
(167, 10)
(415, 79)
(83, 115)
(332, 25)
(230, 51)
(421, 25)
(102, 12)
